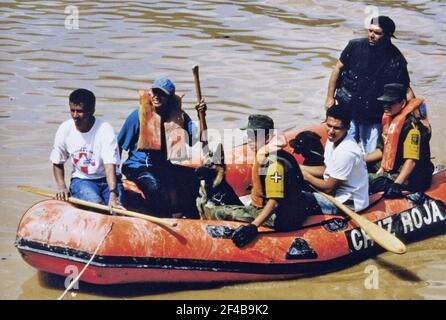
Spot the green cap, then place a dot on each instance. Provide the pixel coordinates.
(259, 121)
(393, 92)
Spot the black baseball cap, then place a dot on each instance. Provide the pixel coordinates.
(393, 92)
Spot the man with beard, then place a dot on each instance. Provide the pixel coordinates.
(358, 79)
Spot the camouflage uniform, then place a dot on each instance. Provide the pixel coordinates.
(241, 213)
(281, 180)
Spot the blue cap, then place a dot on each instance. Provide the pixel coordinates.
(165, 85)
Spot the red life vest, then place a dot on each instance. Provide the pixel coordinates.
(150, 127)
(392, 127)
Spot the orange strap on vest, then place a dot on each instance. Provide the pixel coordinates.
(392, 127)
(149, 123)
(257, 192)
(150, 128)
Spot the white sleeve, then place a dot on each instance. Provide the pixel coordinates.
(109, 145)
(59, 154)
(342, 166)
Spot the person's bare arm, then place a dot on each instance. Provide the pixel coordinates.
(327, 186)
(329, 101)
(317, 171)
(59, 175)
(110, 174)
(405, 171)
(266, 212)
(373, 156)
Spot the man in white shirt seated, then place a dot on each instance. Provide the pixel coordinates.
(91, 145)
(344, 173)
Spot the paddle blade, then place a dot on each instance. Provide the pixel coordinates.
(382, 237)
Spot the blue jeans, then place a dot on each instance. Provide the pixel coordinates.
(325, 205)
(368, 134)
(154, 183)
(321, 205)
(168, 189)
(152, 187)
(93, 190)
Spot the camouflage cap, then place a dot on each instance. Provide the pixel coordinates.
(259, 121)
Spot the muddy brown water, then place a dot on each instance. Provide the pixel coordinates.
(270, 57)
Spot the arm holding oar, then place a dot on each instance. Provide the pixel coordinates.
(111, 178)
(59, 175)
(201, 107)
(51, 194)
(382, 237)
(376, 233)
(345, 174)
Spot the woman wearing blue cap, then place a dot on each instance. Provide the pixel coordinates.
(154, 135)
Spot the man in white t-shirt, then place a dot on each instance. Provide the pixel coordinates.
(345, 173)
(90, 144)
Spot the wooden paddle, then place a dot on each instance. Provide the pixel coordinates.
(382, 237)
(201, 114)
(51, 194)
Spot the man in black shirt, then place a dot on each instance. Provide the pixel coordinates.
(358, 79)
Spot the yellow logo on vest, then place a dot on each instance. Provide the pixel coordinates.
(411, 144)
(274, 186)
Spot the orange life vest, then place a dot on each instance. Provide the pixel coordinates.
(150, 127)
(257, 192)
(392, 127)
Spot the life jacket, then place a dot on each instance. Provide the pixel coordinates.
(392, 128)
(150, 137)
(269, 150)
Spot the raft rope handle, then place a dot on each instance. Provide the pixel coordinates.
(86, 266)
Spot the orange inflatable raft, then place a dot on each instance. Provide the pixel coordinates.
(53, 235)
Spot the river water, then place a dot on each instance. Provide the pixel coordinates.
(271, 57)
